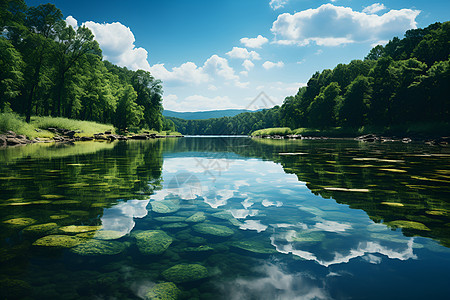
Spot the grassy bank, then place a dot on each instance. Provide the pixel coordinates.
(38, 125)
(418, 130)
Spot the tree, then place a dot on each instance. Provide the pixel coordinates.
(128, 113)
(321, 110)
(11, 76)
(353, 107)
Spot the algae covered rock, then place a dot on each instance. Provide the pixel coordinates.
(152, 242)
(79, 229)
(212, 229)
(199, 249)
(20, 222)
(185, 273)
(39, 229)
(254, 247)
(163, 291)
(165, 206)
(408, 225)
(174, 226)
(59, 241)
(170, 219)
(98, 247)
(196, 218)
(108, 235)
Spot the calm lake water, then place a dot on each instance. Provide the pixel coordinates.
(225, 218)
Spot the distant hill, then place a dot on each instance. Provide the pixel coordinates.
(203, 115)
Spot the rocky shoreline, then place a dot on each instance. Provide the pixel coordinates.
(368, 138)
(65, 136)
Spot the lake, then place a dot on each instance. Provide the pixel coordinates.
(225, 218)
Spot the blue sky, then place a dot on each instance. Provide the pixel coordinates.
(223, 54)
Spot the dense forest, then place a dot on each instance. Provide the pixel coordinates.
(407, 81)
(50, 68)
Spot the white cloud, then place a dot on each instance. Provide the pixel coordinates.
(374, 8)
(243, 53)
(189, 72)
(269, 65)
(72, 22)
(276, 4)
(212, 87)
(331, 25)
(244, 73)
(117, 43)
(248, 65)
(253, 225)
(254, 42)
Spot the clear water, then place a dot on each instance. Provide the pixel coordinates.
(308, 219)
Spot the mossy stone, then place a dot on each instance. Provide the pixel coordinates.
(163, 291)
(97, 247)
(79, 229)
(152, 242)
(408, 225)
(39, 229)
(196, 218)
(20, 222)
(59, 241)
(108, 235)
(254, 247)
(165, 206)
(170, 219)
(174, 226)
(185, 273)
(307, 236)
(223, 215)
(212, 229)
(203, 248)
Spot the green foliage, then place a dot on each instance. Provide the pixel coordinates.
(11, 121)
(49, 68)
(85, 127)
(272, 131)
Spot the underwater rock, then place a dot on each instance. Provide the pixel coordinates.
(163, 291)
(14, 289)
(20, 222)
(59, 241)
(223, 215)
(185, 273)
(170, 219)
(165, 206)
(108, 235)
(305, 236)
(39, 229)
(174, 226)
(254, 247)
(58, 217)
(196, 218)
(212, 229)
(203, 248)
(408, 225)
(79, 229)
(97, 247)
(152, 242)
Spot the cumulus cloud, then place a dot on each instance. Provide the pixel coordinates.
(243, 53)
(276, 4)
(72, 22)
(117, 43)
(269, 65)
(248, 65)
(331, 25)
(189, 72)
(374, 8)
(254, 42)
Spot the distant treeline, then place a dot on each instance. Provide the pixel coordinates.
(50, 68)
(405, 82)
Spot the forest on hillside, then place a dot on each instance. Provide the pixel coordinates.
(405, 82)
(47, 67)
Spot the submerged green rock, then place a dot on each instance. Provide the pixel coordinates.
(163, 291)
(254, 247)
(59, 241)
(152, 242)
(408, 225)
(97, 247)
(196, 218)
(185, 273)
(165, 206)
(20, 222)
(198, 249)
(212, 229)
(307, 236)
(170, 219)
(79, 229)
(174, 226)
(108, 235)
(39, 229)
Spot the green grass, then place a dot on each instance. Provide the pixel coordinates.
(272, 131)
(38, 125)
(86, 128)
